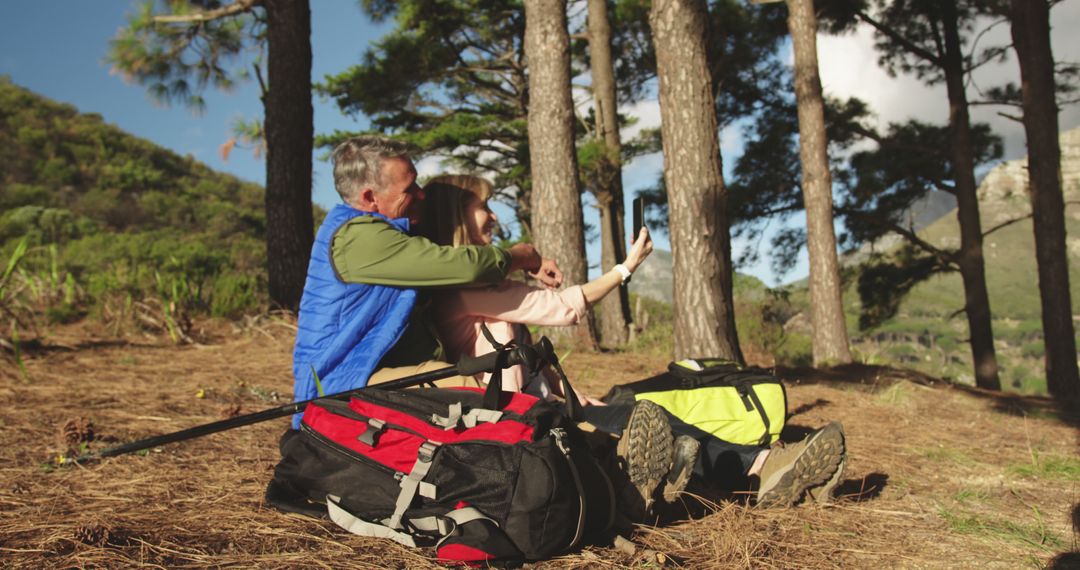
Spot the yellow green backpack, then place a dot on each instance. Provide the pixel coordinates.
(747, 406)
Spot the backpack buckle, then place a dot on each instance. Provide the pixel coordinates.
(371, 434)
(427, 451)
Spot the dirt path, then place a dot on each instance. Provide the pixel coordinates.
(938, 477)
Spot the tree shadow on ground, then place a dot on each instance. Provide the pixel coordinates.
(37, 347)
(854, 374)
(1069, 560)
(872, 378)
(1065, 561)
(1023, 405)
(820, 402)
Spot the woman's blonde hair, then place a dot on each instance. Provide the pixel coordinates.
(445, 198)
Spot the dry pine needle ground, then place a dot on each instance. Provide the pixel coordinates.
(938, 476)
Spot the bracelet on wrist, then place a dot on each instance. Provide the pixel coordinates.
(624, 272)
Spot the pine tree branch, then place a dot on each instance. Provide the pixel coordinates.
(238, 7)
(1017, 118)
(1012, 221)
(946, 257)
(262, 84)
(904, 42)
(991, 102)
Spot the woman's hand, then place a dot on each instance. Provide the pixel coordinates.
(639, 250)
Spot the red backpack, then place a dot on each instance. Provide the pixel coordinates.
(483, 476)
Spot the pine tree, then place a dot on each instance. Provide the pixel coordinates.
(925, 37)
(1031, 39)
(451, 79)
(830, 341)
(558, 228)
(704, 309)
(607, 187)
(193, 40)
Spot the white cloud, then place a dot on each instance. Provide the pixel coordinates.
(849, 68)
(648, 117)
(430, 166)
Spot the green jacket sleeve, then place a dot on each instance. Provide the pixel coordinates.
(369, 250)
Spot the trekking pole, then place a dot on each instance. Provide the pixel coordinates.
(530, 356)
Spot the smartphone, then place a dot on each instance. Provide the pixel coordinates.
(639, 217)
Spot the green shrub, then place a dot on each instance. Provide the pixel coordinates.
(1036, 349)
(233, 294)
(656, 338)
(796, 351)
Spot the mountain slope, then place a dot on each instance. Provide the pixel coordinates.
(928, 332)
(122, 216)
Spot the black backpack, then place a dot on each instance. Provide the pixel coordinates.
(483, 476)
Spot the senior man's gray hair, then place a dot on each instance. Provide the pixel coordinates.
(358, 163)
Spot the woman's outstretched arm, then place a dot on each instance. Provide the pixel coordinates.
(598, 288)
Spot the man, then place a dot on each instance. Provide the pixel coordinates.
(361, 310)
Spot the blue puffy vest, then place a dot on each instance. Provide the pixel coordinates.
(344, 329)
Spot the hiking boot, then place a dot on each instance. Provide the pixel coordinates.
(687, 450)
(790, 470)
(643, 457)
(824, 493)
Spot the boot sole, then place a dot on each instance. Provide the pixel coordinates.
(646, 451)
(814, 466)
(824, 494)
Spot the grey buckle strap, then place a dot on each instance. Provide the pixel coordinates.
(460, 517)
(481, 415)
(452, 418)
(465, 515)
(456, 416)
(374, 428)
(361, 527)
(444, 526)
(410, 485)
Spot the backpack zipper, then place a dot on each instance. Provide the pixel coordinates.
(558, 434)
(338, 448)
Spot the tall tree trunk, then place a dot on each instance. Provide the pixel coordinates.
(289, 138)
(558, 228)
(826, 302)
(970, 256)
(614, 309)
(1031, 38)
(697, 199)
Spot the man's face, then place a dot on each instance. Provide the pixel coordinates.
(401, 196)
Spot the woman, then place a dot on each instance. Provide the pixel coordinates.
(458, 214)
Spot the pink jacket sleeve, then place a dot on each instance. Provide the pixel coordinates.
(516, 302)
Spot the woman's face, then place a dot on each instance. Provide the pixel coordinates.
(480, 221)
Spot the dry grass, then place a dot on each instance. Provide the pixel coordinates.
(938, 476)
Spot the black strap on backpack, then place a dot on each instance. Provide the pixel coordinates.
(547, 355)
(746, 390)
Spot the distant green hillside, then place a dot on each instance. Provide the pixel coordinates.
(929, 333)
(113, 220)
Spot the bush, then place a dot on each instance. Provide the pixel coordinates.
(234, 294)
(796, 351)
(656, 337)
(1035, 349)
